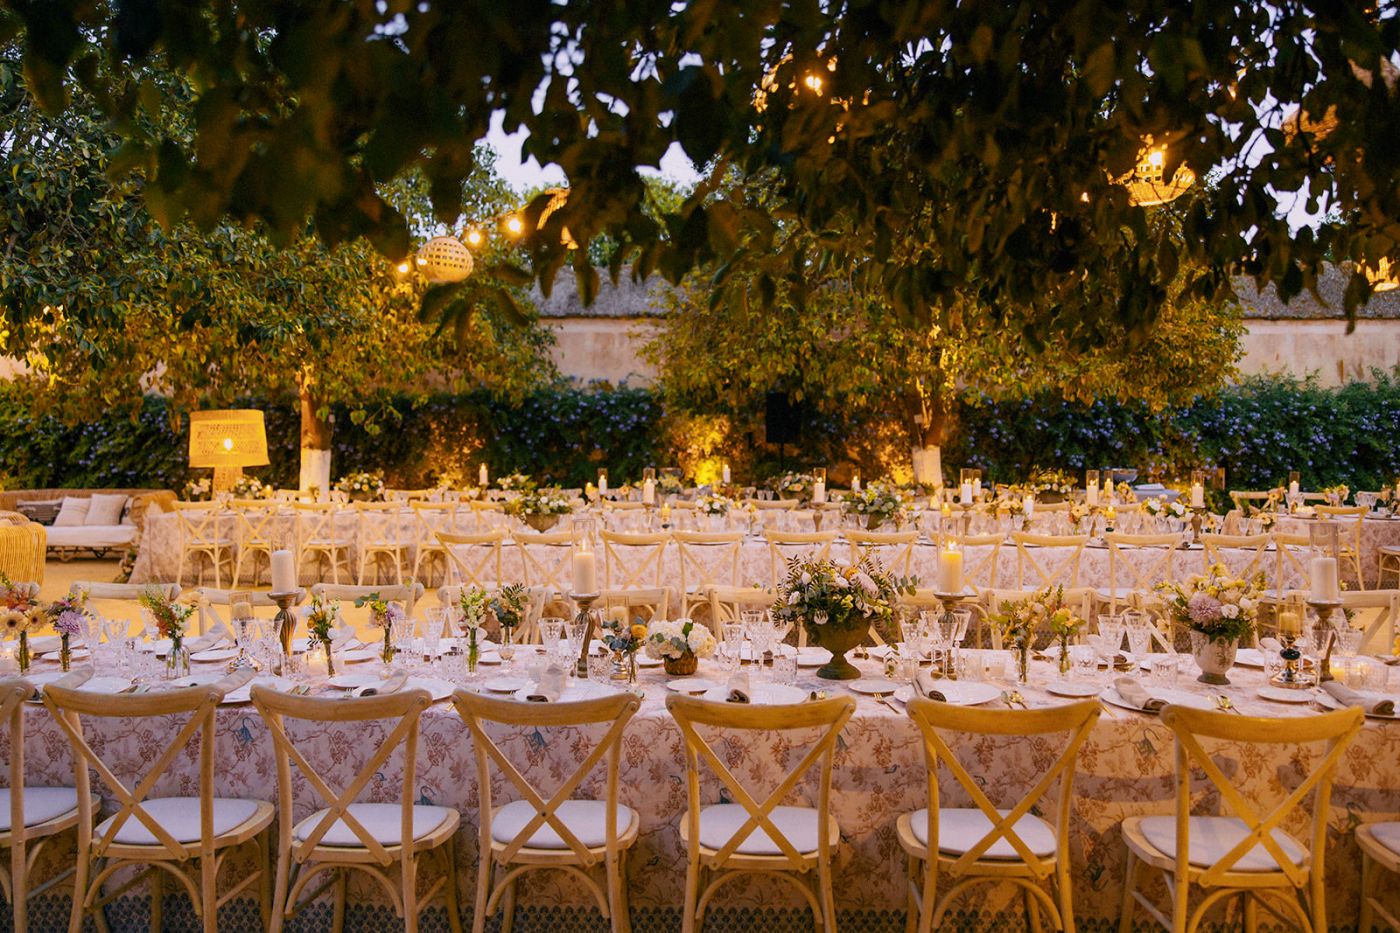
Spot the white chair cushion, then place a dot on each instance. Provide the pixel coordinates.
(41, 804)
(179, 816)
(959, 829)
(380, 820)
(1387, 834)
(586, 819)
(1213, 836)
(719, 823)
(73, 512)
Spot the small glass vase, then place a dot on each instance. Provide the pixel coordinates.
(22, 656)
(65, 653)
(625, 667)
(330, 659)
(177, 662)
(473, 651)
(387, 653)
(507, 647)
(1023, 661)
(1064, 657)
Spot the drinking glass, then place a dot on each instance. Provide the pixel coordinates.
(600, 667)
(432, 633)
(1139, 633)
(552, 632)
(994, 665)
(576, 632)
(784, 668)
(1369, 674)
(1348, 642)
(1165, 669)
(1085, 661)
(1111, 634)
(761, 636)
(963, 618)
(974, 665)
(733, 645)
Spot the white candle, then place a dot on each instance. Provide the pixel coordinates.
(724, 474)
(483, 477)
(242, 610)
(1198, 496)
(1110, 490)
(284, 572)
(585, 572)
(602, 486)
(965, 493)
(1323, 574)
(648, 492)
(950, 570)
(819, 491)
(976, 488)
(1028, 506)
(1293, 488)
(1091, 494)
(855, 483)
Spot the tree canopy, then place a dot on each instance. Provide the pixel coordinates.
(973, 147)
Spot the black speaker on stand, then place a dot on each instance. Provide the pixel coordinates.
(782, 422)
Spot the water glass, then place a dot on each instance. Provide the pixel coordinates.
(731, 648)
(1111, 634)
(995, 664)
(1371, 674)
(1348, 641)
(974, 665)
(600, 667)
(1165, 669)
(1085, 661)
(784, 669)
(961, 618)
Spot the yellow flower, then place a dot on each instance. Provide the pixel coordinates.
(639, 632)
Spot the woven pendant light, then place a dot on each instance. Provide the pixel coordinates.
(444, 259)
(1146, 184)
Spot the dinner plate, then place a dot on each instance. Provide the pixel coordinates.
(43, 644)
(160, 647)
(646, 660)
(1176, 697)
(747, 653)
(351, 681)
(967, 692)
(440, 689)
(358, 654)
(1326, 699)
(574, 691)
(761, 694)
(244, 694)
(214, 654)
(816, 657)
(75, 654)
(691, 685)
(1284, 694)
(98, 684)
(1249, 657)
(505, 684)
(1072, 688)
(197, 680)
(873, 686)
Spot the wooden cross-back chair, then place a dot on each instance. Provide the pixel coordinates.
(1292, 552)
(126, 594)
(726, 602)
(783, 545)
(476, 558)
(558, 831)
(432, 517)
(319, 540)
(1243, 555)
(707, 559)
(345, 835)
(382, 538)
(892, 550)
(1244, 853)
(186, 838)
(1127, 582)
(727, 840)
(209, 604)
(655, 601)
(488, 515)
(527, 632)
(983, 844)
(1080, 599)
(1051, 559)
(1349, 520)
(202, 537)
(981, 571)
(405, 594)
(1380, 852)
(633, 560)
(36, 814)
(546, 559)
(1384, 622)
(256, 534)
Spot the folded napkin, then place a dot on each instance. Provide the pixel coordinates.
(203, 642)
(1138, 695)
(924, 686)
(392, 684)
(1271, 644)
(738, 688)
(73, 680)
(234, 680)
(1346, 696)
(550, 685)
(343, 639)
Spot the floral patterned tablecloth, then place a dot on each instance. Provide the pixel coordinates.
(1124, 769)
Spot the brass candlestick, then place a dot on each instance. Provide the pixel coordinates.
(1292, 676)
(590, 620)
(1197, 518)
(286, 622)
(1323, 608)
(949, 602)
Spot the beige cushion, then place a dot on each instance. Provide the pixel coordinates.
(719, 823)
(105, 509)
(41, 804)
(1212, 836)
(959, 829)
(73, 512)
(381, 820)
(586, 819)
(179, 816)
(1387, 834)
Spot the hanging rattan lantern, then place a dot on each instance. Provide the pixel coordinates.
(557, 198)
(1146, 184)
(444, 259)
(1381, 276)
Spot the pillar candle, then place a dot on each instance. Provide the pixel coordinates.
(648, 492)
(1028, 506)
(1289, 623)
(1322, 572)
(585, 572)
(819, 491)
(724, 474)
(950, 569)
(1293, 488)
(965, 493)
(1091, 494)
(602, 486)
(855, 483)
(1198, 496)
(284, 572)
(483, 477)
(976, 488)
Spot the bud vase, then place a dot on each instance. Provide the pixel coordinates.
(473, 651)
(1023, 661)
(387, 654)
(22, 657)
(1064, 657)
(330, 661)
(177, 662)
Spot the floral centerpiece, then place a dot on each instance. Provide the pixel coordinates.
(514, 482)
(170, 620)
(1018, 621)
(1078, 511)
(836, 605)
(509, 607)
(1159, 508)
(69, 618)
(669, 483)
(1262, 519)
(1337, 494)
(250, 487)
(198, 490)
(714, 504)
(539, 508)
(475, 606)
(793, 486)
(1218, 609)
(874, 505)
(1126, 493)
(384, 615)
(322, 618)
(19, 616)
(624, 639)
(362, 486)
(1050, 485)
(679, 644)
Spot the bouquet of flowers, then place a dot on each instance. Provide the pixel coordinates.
(1264, 519)
(1010, 503)
(322, 617)
(509, 607)
(679, 644)
(623, 639)
(170, 620)
(197, 490)
(877, 503)
(1218, 605)
(19, 615)
(822, 596)
(793, 486)
(475, 606)
(714, 504)
(362, 486)
(1126, 493)
(1337, 494)
(1053, 481)
(539, 508)
(250, 487)
(515, 482)
(1078, 511)
(69, 618)
(1157, 507)
(669, 483)
(1019, 620)
(384, 615)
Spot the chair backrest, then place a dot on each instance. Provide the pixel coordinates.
(1293, 552)
(546, 558)
(257, 520)
(1050, 559)
(1243, 555)
(1380, 631)
(488, 514)
(1125, 572)
(122, 592)
(633, 560)
(68, 704)
(726, 602)
(1074, 720)
(708, 558)
(655, 600)
(476, 558)
(893, 550)
(829, 715)
(1348, 519)
(779, 504)
(410, 495)
(405, 706)
(433, 517)
(380, 524)
(1336, 729)
(783, 545)
(528, 629)
(14, 691)
(315, 522)
(208, 601)
(407, 594)
(1241, 497)
(615, 710)
(198, 523)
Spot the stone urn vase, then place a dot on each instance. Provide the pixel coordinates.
(838, 640)
(1215, 657)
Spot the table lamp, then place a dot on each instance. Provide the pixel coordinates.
(228, 441)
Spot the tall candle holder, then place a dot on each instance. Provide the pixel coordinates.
(1198, 515)
(286, 622)
(1323, 609)
(589, 619)
(1292, 676)
(949, 602)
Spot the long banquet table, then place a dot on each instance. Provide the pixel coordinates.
(1125, 768)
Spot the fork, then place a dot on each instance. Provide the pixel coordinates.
(1224, 704)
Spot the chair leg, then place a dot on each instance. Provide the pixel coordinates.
(410, 893)
(692, 893)
(157, 899)
(508, 909)
(279, 894)
(1065, 897)
(208, 892)
(81, 868)
(454, 907)
(1125, 908)
(1249, 913)
(622, 908)
(338, 916)
(1365, 920)
(265, 877)
(484, 866)
(827, 898)
(1032, 908)
(911, 903)
(19, 888)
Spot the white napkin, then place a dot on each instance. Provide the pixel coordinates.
(203, 642)
(1271, 644)
(924, 685)
(549, 687)
(343, 638)
(738, 688)
(392, 684)
(1138, 695)
(1349, 697)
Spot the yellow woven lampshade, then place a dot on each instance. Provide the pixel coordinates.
(228, 441)
(445, 259)
(1146, 184)
(1381, 276)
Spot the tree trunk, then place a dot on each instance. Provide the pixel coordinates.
(933, 419)
(315, 440)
